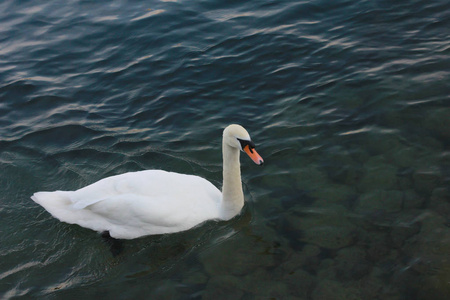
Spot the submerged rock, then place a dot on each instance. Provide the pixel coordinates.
(310, 177)
(380, 200)
(437, 121)
(224, 287)
(332, 290)
(378, 246)
(340, 166)
(426, 180)
(299, 282)
(412, 200)
(239, 256)
(334, 194)
(195, 278)
(297, 260)
(429, 251)
(400, 233)
(328, 227)
(327, 270)
(330, 237)
(437, 285)
(262, 284)
(351, 263)
(403, 156)
(382, 144)
(440, 202)
(379, 175)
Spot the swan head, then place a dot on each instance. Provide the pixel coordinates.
(236, 136)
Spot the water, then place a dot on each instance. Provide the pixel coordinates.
(347, 101)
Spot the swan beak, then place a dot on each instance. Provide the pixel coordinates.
(257, 159)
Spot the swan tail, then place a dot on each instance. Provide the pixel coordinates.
(60, 204)
(56, 203)
(50, 198)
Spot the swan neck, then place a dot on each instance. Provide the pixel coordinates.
(233, 196)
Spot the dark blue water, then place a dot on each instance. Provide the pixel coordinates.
(347, 101)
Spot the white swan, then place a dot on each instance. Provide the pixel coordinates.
(150, 202)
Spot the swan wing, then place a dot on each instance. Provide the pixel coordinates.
(137, 203)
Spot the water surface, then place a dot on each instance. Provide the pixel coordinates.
(347, 101)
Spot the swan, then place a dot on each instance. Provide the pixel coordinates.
(151, 202)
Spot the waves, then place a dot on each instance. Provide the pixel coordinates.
(346, 101)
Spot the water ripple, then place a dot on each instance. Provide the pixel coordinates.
(346, 101)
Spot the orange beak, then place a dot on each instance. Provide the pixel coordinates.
(257, 159)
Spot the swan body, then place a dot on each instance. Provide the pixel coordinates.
(149, 202)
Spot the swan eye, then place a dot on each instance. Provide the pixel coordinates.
(248, 143)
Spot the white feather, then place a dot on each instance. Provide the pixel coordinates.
(150, 202)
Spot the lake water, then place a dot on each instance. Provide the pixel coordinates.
(347, 101)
